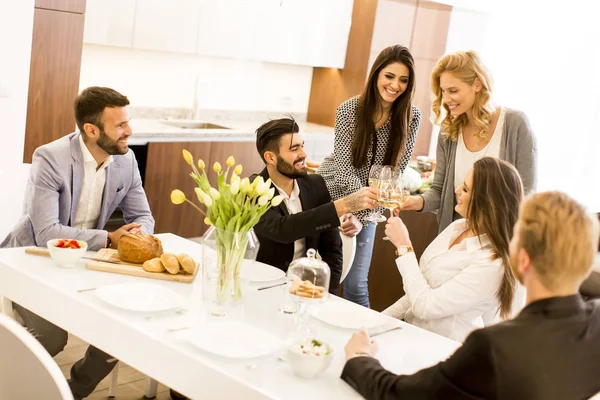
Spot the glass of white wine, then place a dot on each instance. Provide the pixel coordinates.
(392, 194)
(378, 174)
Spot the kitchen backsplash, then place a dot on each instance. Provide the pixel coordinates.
(211, 115)
(173, 81)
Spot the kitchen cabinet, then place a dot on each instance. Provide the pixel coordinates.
(53, 77)
(109, 22)
(72, 6)
(167, 25)
(385, 282)
(307, 32)
(300, 32)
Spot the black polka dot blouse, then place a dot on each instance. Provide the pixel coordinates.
(340, 175)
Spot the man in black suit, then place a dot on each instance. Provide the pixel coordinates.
(551, 350)
(307, 218)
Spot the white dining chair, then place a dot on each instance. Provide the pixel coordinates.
(35, 375)
(349, 251)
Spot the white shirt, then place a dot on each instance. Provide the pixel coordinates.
(465, 159)
(453, 291)
(294, 206)
(90, 200)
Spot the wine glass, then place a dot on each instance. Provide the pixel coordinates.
(392, 193)
(377, 174)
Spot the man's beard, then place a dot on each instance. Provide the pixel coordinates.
(288, 170)
(111, 147)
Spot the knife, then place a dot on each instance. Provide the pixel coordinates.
(385, 331)
(38, 251)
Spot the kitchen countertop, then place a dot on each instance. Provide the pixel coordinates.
(156, 130)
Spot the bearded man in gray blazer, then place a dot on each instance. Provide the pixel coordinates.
(76, 183)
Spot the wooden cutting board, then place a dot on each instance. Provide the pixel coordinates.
(126, 268)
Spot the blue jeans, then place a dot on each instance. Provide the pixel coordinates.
(356, 284)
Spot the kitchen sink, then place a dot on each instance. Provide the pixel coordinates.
(191, 124)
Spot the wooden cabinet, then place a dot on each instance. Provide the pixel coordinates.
(385, 282)
(109, 22)
(166, 170)
(73, 6)
(53, 77)
(166, 25)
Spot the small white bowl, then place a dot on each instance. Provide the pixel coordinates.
(308, 366)
(66, 258)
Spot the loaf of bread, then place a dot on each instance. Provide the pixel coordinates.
(187, 263)
(138, 248)
(154, 265)
(170, 263)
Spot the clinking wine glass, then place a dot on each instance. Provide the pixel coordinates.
(377, 175)
(392, 194)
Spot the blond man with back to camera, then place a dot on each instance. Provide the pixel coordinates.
(550, 351)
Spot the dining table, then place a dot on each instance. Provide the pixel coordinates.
(163, 344)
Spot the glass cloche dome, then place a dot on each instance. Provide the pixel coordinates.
(309, 278)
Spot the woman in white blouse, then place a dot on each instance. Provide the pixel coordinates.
(464, 280)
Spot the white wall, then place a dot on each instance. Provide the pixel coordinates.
(549, 68)
(157, 79)
(16, 28)
(545, 61)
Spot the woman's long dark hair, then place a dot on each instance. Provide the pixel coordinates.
(370, 105)
(496, 196)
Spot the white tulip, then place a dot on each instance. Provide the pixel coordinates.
(234, 188)
(262, 200)
(276, 200)
(214, 193)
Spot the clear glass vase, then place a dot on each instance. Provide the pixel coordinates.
(225, 255)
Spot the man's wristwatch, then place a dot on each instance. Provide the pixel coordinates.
(403, 250)
(108, 242)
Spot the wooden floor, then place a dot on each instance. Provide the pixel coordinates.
(131, 382)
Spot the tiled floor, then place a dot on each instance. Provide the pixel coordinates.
(131, 382)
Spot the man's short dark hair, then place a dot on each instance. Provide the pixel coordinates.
(92, 101)
(269, 134)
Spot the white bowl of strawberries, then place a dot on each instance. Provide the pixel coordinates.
(66, 252)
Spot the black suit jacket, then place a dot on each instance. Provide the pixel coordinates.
(551, 351)
(318, 224)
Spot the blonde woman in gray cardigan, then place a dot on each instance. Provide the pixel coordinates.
(472, 127)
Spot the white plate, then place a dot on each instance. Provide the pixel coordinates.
(234, 340)
(142, 297)
(260, 272)
(347, 315)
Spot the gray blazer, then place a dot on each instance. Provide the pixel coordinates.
(518, 148)
(53, 192)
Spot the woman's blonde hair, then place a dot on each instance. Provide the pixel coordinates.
(466, 66)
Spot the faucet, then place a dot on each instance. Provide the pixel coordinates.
(196, 104)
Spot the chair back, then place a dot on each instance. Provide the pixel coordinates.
(349, 251)
(26, 369)
(12, 202)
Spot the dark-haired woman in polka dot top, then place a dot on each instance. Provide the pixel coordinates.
(379, 127)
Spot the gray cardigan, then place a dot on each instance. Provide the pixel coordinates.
(518, 148)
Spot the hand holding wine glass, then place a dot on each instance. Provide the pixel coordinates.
(377, 175)
(392, 194)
